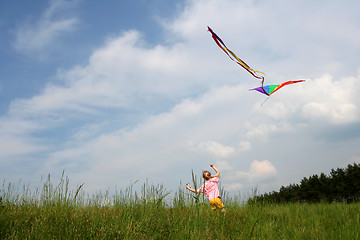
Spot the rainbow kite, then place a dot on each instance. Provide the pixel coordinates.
(268, 89)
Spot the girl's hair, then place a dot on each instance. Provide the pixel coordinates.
(206, 175)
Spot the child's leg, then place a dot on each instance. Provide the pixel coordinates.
(216, 203)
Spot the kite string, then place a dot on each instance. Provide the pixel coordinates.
(258, 109)
(264, 102)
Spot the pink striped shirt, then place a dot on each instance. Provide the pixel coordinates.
(211, 189)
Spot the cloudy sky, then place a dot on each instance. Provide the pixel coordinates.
(117, 91)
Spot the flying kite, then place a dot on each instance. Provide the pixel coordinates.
(268, 89)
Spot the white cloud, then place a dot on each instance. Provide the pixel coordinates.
(12, 147)
(16, 139)
(117, 78)
(117, 75)
(235, 186)
(332, 100)
(215, 148)
(262, 132)
(223, 165)
(259, 171)
(160, 140)
(39, 35)
(244, 146)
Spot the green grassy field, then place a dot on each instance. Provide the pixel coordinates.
(54, 212)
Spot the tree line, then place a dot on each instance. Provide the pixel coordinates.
(341, 185)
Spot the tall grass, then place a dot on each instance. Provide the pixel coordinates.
(49, 194)
(56, 212)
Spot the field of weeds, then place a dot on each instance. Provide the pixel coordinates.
(54, 212)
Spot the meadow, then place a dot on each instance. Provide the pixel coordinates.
(55, 212)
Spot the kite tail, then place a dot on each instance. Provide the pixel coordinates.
(228, 52)
(242, 63)
(220, 43)
(262, 87)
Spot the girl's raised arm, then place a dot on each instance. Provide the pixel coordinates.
(216, 170)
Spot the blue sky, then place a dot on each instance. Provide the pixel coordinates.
(119, 91)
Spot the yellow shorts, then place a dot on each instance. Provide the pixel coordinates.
(216, 203)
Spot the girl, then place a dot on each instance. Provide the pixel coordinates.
(211, 189)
